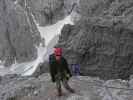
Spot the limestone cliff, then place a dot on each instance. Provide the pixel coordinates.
(48, 12)
(102, 41)
(18, 35)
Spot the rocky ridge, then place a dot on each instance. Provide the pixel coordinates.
(48, 12)
(41, 88)
(101, 42)
(18, 35)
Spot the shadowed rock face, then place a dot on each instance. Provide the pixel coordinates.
(18, 34)
(49, 11)
(102, 42)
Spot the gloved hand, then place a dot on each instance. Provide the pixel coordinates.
(68, 76)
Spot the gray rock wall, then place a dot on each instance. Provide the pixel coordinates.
(102, 41)
(18, 35)
(49, 11)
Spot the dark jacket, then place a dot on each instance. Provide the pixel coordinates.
(58, 67)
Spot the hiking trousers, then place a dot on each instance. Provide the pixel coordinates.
(64, 82)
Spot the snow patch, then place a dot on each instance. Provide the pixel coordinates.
(48, 33)
(1, 64)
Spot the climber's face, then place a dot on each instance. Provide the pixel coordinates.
(58, 57)
(58, 53)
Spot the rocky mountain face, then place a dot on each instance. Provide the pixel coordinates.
(18, 34)
(41, 88)
(102, 41)
(47, 12)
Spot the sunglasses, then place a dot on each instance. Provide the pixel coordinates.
(58, 55)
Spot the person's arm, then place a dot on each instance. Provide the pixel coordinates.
(51, 68)
(66, 67)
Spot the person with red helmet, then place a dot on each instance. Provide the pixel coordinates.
(59, 70)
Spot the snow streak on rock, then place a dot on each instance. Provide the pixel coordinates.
(48, 33)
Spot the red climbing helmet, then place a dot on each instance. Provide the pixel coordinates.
(58, 51)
